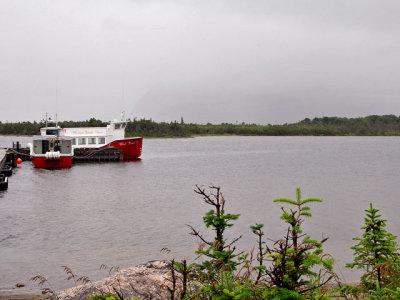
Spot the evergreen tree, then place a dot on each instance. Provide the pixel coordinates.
(220, 253)
(375, 248)
(296, 257)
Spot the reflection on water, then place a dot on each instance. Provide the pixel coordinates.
(122, 214)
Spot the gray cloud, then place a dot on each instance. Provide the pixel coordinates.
(208, 61)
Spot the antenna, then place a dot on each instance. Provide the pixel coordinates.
(56, 100)
(123, 98)
(123, 91)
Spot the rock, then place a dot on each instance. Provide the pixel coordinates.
(146, 281)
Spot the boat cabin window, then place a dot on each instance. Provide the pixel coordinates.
(117, 126)
(91, 141)
(82, 141)
(73, 141)
(102, 140)
(51, 131)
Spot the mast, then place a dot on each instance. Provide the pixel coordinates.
(56, 101)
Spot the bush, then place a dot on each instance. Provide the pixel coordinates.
(376, 252)
(292, 272)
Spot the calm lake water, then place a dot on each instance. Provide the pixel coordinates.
(123, 214)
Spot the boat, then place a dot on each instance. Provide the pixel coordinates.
(51, 152)
(6, 170)
(55, 147)
(3, 182)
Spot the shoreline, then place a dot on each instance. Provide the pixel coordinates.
(15, 293)
(19, 296)
(150, 279)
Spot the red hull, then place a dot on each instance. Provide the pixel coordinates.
(43, 163)
(131, 147)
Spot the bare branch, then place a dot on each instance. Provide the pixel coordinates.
(196, 233)
(234, 241)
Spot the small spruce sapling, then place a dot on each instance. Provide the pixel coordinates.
(374, 250)
(257, 230)
(221, 254)
(295, 256)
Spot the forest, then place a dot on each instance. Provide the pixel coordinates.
(374, 125)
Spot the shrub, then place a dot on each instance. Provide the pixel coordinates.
(376, 252)
(293, 261)
(295, 257)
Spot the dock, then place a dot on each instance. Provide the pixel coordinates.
(87, 155)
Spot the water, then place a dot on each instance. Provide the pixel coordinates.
(123, 214)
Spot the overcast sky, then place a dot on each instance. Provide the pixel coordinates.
(206, 61)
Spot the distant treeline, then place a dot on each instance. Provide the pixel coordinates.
(325, 126)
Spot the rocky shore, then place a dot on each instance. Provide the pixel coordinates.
(146, 281)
